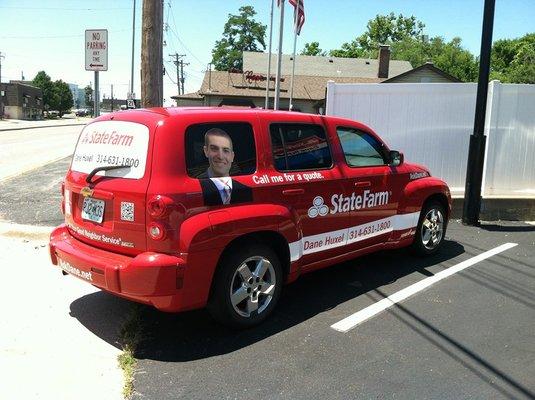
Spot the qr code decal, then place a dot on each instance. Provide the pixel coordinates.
(127, 211)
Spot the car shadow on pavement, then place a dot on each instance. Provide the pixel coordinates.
(195, 335)
(102, 314)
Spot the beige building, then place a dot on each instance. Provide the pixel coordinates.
(248, 88)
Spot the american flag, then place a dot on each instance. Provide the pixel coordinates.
(299, 14)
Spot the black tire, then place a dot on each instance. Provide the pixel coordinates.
(431, 229)
(259, 284)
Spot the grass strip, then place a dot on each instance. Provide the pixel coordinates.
(129, 338)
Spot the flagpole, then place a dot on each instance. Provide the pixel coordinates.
(269, 56)
(279, 59)
(296, 21)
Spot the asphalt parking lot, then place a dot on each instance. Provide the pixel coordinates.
(471, 335)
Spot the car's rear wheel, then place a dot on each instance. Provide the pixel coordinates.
(431, 229)
(246, 286)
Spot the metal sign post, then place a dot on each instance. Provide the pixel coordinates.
(96, 58)
(96, 97)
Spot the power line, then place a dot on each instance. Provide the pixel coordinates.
(169, 12)
(54, 36)
(180, 40)
(169, 76)
(63, 9)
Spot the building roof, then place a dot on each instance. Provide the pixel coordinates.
(222, 83)
(322, 66)
(429, 66)
(25, 83)
(191, 96)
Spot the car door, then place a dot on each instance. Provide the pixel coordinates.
(303, 178)
(370, 197)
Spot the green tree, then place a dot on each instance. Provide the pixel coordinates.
(513, 60)
(43, 81)
(383, 29)
(313, 49)
(62, 97)
(88, 96)
(450, 57)
(241, 33)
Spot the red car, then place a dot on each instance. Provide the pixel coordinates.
(184, 208)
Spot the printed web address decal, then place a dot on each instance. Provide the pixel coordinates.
(343, 237)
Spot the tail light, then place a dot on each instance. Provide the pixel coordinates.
(159, 206)
(156, 231)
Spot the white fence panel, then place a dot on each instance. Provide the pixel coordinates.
(432, 123)
(511, 141)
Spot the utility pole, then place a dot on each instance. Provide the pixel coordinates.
(152, 54)
(182, 63)
(476, 152)
(1, 97)
(111, 98)
(176, 62)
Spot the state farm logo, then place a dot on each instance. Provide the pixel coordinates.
(318, 208)
(341, 203)
(113, 138)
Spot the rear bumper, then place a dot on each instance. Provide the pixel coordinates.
(149, 278)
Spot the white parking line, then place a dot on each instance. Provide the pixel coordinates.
(353, 320)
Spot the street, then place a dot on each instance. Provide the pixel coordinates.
(23, 150)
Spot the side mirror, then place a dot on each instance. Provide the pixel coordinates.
(396, 158)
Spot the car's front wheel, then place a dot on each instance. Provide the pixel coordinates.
(431, 229)
(246, 286)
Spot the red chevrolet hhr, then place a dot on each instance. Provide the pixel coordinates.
(183, 208)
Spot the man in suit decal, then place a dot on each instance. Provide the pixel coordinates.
(218, 187)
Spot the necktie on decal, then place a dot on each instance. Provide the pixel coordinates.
(227, 191)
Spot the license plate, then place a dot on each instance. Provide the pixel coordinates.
(93, 209)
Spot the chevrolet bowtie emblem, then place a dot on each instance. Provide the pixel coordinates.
(86, 191)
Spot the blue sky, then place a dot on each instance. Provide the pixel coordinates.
(49, 35)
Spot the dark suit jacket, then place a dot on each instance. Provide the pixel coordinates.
(240, 193)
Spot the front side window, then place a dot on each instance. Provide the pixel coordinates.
(299, 147)
(220, 149)
(360, 148)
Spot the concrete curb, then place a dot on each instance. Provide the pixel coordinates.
(38, 127)
(495, 209)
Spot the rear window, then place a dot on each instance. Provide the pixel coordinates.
(220, 149)
(299, 147)
(112, 143)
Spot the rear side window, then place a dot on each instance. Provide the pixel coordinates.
(220, 149)
(360, 148)
(299, 147)
(112, 143)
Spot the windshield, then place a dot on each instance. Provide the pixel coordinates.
(112, 143)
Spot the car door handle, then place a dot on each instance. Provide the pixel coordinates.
(363, 184)
(293, 192)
